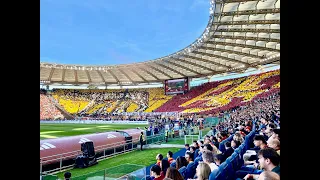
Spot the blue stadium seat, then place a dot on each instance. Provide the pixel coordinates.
(182, 171)
(191, 170)
(198, 159)
(222, 148)
(230, 138)
(195, 154)
(173, 164)
(222, 173)
(213, 174)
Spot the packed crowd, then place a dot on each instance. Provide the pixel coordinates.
(205, 158)
(209, 98)
(213, 97)
(47, 108)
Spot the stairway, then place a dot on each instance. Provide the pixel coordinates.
(62, 110)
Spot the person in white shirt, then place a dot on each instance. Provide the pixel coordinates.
(207, 157)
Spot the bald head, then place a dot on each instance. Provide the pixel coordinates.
(269, 175)
(274, 143)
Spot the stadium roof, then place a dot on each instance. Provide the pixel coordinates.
(240, 34)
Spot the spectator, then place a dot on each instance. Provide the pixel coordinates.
(67, 176)
(187, 147)
(169, 156)
(235, 144)
(142, 140)
(196, 144)
(189, 157)
(155, 171)
(269, 160)
(228, 151)
(174, 174)
(276, 134)
(218, 159)
(164, 164)
(274, 144)
(203, 171)
(180, 162)
(207, 157)
(259, 141)
(238, 137)
(269, 175)
(214, 141)
(159, 158)
(207, 147)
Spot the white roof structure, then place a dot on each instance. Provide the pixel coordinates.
(240, 34)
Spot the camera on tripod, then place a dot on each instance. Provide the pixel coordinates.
(88, 157)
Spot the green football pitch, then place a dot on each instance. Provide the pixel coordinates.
(60, 130)
(121, 164)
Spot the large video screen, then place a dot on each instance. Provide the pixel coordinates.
(176, 86)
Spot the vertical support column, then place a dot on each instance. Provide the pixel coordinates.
(60, 162)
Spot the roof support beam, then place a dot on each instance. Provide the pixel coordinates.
(135, 72)
(232, 52)
(88, 75)
(233, 1)
(173, 70)
(63, 74)
(249, 12)
(250, 30)
(246, 38)
(222, 57)
(148, 72)
(156, 69)
(51, 73)
(241, 45)
(207, 61)
(195, 64)
(183, 67)
(248, 22)
(100, 74)
(126, 75)
(113, 75)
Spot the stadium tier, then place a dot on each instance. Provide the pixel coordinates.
(209, 98)
(218, 96)
(48, 109)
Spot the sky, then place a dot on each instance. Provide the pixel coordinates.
(109, 32)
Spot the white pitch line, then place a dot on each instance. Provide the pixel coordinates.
(49, 132)
(79, 129)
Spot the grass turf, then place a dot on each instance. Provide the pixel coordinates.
(61, 130)
(144, 158)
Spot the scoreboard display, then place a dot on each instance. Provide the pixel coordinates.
(176, 86)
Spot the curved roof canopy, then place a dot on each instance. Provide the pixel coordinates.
(240, 34)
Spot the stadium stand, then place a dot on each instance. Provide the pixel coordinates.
(48, 110)
(255, 118)
(209, 98)
(214, 97)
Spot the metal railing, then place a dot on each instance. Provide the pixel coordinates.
(120, 172)
(102, 152)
